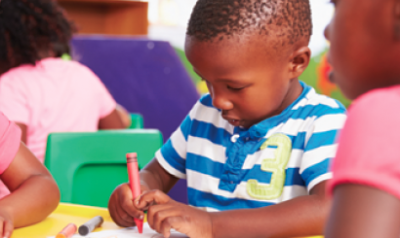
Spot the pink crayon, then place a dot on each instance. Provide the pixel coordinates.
(134, 182)
(67, 232)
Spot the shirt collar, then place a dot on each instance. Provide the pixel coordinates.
(260, 129)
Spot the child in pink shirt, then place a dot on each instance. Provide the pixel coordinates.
(39, 91)
(365, 55)
(26, 178)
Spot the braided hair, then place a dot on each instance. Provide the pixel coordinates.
(212, 19)
(29, 28)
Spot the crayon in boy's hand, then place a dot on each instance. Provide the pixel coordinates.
(67, 232)
(90, 225)
(134, 182)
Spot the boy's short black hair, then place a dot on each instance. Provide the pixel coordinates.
(31, 28)
(218, 18)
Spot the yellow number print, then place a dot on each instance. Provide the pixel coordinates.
(276, 166)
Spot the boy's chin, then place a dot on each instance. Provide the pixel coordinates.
(332, 77)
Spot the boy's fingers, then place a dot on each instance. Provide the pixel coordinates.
(150, 197)
(8, 229)
(173, 222)
(122, 209)
(117, 213)
(152, 212)
(129, 207)
(126, 201)
(124, 219)
(165, 228)
(143, 189)
(157, 215)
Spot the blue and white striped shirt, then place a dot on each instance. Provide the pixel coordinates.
(280, 158)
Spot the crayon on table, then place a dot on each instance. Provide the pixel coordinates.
(67, 232)
(134, 182)
(90, 225)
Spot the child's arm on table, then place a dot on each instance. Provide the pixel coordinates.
(301, 216)
(112, 121)
(124, 115)
(121, 206)
(24, 129)
(34, 193)
(360, 211)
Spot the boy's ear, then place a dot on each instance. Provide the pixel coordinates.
(299, 61)
(397, 20)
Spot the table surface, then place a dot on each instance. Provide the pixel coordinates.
(64, 214)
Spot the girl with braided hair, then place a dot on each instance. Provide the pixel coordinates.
(40, 90)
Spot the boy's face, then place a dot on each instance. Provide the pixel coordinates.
(361, 50)
(247, 81)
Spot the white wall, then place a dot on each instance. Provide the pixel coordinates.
(168, 20)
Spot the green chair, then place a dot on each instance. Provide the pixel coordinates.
(136, 121)
(88, 166)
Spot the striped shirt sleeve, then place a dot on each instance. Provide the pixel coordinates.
(172, 155)
(320, 148)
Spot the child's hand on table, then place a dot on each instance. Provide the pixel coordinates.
(121, 206)
(6, 224)
(164, 214)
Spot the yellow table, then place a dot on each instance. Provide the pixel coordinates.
(64, 214)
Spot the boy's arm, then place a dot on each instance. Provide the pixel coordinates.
(360, 211)
(34, 193)
(153, 176)
(121, 206)
(301, 216)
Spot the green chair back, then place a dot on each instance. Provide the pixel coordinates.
(88, 166)
(136, 121)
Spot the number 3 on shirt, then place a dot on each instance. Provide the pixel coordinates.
(276, 166)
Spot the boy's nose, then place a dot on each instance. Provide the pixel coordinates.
(326, 32)
(221, 102)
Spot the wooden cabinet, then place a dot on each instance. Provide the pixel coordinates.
(110, 17)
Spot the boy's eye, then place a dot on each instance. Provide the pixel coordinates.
(235, 88)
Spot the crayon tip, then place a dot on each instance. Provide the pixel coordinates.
(139, 225)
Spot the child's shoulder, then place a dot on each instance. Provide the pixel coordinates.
(39, 67)
(318, 104)
(380, 95)
(314, 98)
(59, 63)
(203, 107)
(206, 100)
(377, 102)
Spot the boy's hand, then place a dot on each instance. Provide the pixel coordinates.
(165, 214)
(121, 206)
(6, 224)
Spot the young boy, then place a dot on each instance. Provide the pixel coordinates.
(257, 148)
(365, 54)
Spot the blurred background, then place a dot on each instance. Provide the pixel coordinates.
(166, 20)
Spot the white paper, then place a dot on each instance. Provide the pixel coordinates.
(130, 232)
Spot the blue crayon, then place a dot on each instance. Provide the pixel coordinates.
(90, 225)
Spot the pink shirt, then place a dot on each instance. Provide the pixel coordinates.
(53, 96)
(10, 137)
(369, 144)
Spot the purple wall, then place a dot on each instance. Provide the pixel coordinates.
(145, 77)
